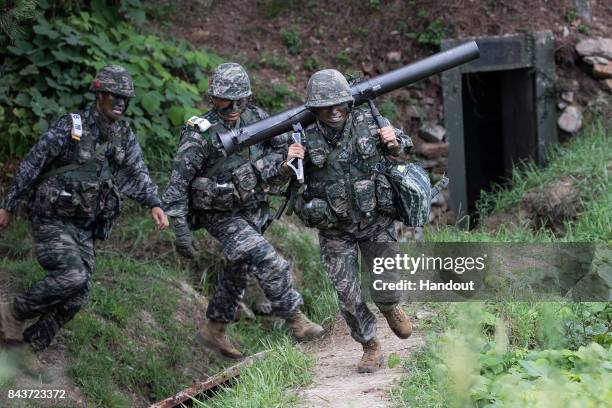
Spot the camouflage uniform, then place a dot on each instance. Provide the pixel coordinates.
(348, 201)
(228, 197)
(65, 209)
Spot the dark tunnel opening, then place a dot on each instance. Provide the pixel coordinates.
(499, 124)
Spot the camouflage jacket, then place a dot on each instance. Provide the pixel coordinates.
(200, 168)
(343, 184)
(54, 147)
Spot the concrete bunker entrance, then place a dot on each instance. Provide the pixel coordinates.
(499, 110)
(499, 127)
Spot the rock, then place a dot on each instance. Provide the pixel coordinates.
(607, 84)
(601, 47)
(570, 120)
(602, 71)
(419, 235)
(429, 164)
(566, 32)
(595, 60)
(568, 97)
(394, 32)
(432, 216)
(394, 56)
(424, 314)
(562, 105)
(583, 8)
(413, 112)
(432, 150)
(432, 133)
(368, 68)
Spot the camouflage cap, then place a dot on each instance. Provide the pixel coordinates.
(114, 79)
(327, 88)
(230, 81)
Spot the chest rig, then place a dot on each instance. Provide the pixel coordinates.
(78, 183)
(343, 184)
(226, 183)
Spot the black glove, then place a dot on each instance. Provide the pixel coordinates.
(185, 243)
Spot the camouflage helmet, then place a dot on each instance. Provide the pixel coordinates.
(327, 88)
(114, 79)
(230, 81)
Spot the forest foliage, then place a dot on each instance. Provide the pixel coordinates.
(48, 69)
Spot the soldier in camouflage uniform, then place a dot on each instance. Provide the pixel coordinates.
(76, 172)
(349, 202)
(227, 196)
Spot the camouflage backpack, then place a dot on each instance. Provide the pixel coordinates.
(413, 193)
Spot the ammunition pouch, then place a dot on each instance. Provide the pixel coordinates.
(66, 199)
(337, 198)
(315, 213)
(207, 194)
(45, 198)
(365, 196)
(384, 196)
(245, 180)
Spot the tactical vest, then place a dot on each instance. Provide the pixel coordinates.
(343, 184)
(78, 184)
(226, 183)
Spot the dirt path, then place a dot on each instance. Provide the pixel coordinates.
(336, 382)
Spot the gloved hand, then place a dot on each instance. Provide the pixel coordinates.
(185, 243)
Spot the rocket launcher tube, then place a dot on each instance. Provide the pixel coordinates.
(237, 139)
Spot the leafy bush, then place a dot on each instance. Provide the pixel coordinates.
(14, 13)
(311, 63)
(273, 98)
(292, 40)
(47, 74)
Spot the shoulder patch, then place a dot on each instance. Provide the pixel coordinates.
(77, 127)
(202, 124)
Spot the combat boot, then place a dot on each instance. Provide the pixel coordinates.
(398, 322)
(24, 358)
(302, 328)
(372, 359)
(213, 336)
(11, 329)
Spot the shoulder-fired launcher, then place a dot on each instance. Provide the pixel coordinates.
(236, 139)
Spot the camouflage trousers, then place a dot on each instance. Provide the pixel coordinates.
(340, 257)
(248, 252)
(66, 251)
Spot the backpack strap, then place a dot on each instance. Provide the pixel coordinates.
(77, 127)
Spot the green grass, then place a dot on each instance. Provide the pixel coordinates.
(320, 301)
(127, 342)
(266, 383)
(586, 158)
(523, 353)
